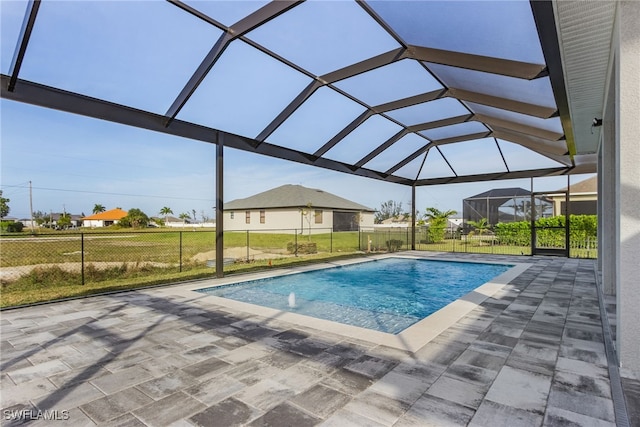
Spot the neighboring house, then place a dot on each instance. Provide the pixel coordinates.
(399, 221)
(172, 221)
(27, 223)
(104, 219)
(291, 208)
(8, 220)
(583, 198)
(53, 219)
(454, 223)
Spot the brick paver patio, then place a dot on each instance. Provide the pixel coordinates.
(533, 354)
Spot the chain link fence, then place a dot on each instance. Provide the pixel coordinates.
(81, 258)
(44, 267)
(100, 256)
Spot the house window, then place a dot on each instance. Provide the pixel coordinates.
(262, 217)
(231, 215)
(247, 217)
(318, 216)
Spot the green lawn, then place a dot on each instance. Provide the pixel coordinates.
(53, 283)
(125, 259)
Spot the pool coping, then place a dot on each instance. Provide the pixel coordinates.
(411, 339)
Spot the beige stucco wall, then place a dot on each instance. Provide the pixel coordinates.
(574, 197)
(286, 219)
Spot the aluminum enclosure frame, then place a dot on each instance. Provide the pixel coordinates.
(559, 147)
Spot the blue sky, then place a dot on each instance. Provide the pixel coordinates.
(135, 53)
(75, 162)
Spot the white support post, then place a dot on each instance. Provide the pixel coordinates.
(628, 95)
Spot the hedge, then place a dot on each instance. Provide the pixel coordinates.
(581, 228)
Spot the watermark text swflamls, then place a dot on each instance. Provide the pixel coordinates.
(35, 414)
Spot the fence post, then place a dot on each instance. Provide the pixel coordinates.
(247, 245)
(331, 241)
(295, 242)
(407, 240)
(82, 257)
(359, 239)
(180, 251)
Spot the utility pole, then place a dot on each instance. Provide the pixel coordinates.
(31, 207)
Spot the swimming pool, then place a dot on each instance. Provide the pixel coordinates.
(386, 295)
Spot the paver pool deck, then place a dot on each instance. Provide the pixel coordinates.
(532, 353)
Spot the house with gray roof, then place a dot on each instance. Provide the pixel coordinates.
(295, 208)
(583, 198)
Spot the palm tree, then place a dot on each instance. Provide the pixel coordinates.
(480, 226)
(166, 211)
(64, 221)
(437, 223)
(184, 216)
(98, 208)
(434, 214)
(135, 218)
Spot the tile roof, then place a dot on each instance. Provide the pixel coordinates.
(110, 215)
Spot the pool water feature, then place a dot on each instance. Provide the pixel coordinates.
(387, 295)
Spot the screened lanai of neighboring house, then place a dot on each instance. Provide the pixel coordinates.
(503, 205)
(415, 93)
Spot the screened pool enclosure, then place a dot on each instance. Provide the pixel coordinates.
(415, 93)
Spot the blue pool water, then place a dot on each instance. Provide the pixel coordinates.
(387, 295)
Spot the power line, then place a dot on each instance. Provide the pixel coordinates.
(15, 192)
(108, 193)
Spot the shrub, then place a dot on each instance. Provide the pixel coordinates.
(513, 233)
(46, 276)
(302, 248)
(135, 218)
(95, 274)
(436, 230)
(394, 245)
(581, 228)
(15, 227)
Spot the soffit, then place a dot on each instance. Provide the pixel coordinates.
(585, 36)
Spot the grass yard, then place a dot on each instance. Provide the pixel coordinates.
(53, 283)
(151, 246)
(49, 267)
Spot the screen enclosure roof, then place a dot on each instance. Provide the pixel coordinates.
(416, 92)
